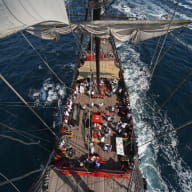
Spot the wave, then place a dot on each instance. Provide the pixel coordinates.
(189, 47)
(137, 75)
(187, 4)
(148, 124)
(152, 9)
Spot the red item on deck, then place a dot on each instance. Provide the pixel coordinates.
(99, 159)
(62, 130)
(95, 135)
(90, 57)
(96, 127)
(95, 173)
(101, 57)
(96, 117)
(97, 96)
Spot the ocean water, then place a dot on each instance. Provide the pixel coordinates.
(166, 162)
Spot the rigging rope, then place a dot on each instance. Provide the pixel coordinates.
(36, 186)
(29, 173)
(19, 140)
(16, 116)
(155, 51)
(23, 142)
(167, 133)
(32, 106)
(21, 132)
(163, 43)
(43, 60)
(39, 130)
(173, 42)
(10, 182)
(170, 46)
(20, 177)
(23, 100)
(176, 89)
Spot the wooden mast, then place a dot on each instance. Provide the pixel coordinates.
(96, 16)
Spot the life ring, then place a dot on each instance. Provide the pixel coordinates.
(115, 81)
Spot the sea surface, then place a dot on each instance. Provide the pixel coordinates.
(166, 162)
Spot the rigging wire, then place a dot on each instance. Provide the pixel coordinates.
(166, 51)
(21, 132)
(43, 60)
(36, 187)
(32, 106)
(20, 177)
(182, 81)
(155, 51)
(172, 44)
(164, 40)
(40, 145)
(77, 41)
(23, 100)
(10, 182)
(166, 133)
(16, 117)
(22, 142)
(176, 89)
(19, 140)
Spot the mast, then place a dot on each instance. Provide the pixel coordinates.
(95, 5)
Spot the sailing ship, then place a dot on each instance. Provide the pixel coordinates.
(96, 147)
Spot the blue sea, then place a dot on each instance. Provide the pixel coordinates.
(166, 163)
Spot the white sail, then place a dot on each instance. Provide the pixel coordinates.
(128, 30)
(17, 15)
(47, 19)
(134, 31)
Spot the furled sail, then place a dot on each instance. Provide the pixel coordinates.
(132, 30)
(47, 19)
(126, 30)
(17, 15)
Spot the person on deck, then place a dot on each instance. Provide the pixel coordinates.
(101, 104)
(107, 148)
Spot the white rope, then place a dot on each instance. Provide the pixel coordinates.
(9, 181)
(157, 59)
(20, 177)
(155, 51)
(19, 140)
(43, 60)
(23, 100)
(23, 133)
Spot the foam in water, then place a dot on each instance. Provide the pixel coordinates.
(136, 77)
(137, 83)
(183, 4)
(48, 93)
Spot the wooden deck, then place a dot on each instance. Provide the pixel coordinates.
(78, 139)
(76, 183)
(61, 182)
(81, 138)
